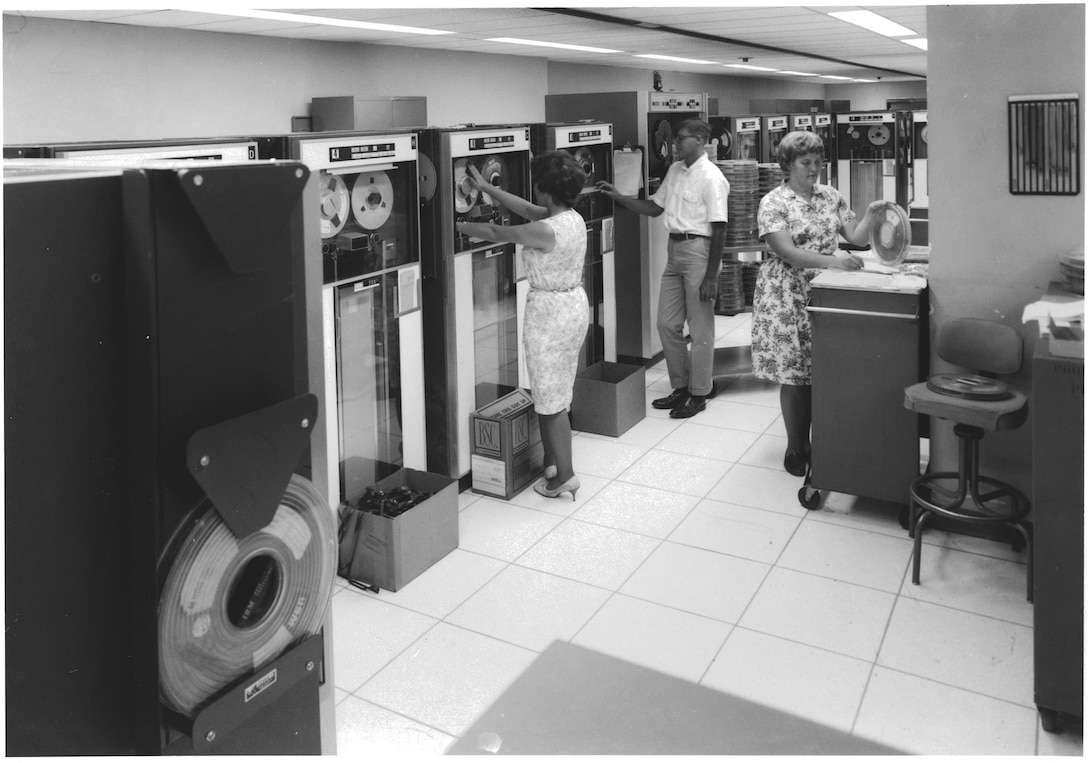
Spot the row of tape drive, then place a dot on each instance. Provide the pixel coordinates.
(870, 155)
(377, 265)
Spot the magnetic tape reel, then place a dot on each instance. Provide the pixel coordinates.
(372, 199)
(428, 178)
(889, 235)
(968, 386)
(879, 135)
(925, 134)
(722, 139)
(335, 202)
(584, 158)
(662, 140)
(464, 191)
(726, 143)
(230, 605)
(493, 171)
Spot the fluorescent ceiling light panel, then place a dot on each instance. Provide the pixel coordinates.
(302, 18)
(753, 68)
(563, 45)
(673, 58)
(799, 74)
(873, 23)
(920, 42)
(834, 76)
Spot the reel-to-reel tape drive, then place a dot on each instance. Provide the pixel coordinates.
(470, 286)
(872, 156)
(736, 137)
(470, 203)
(368, 215)
(590, 144)
(368, 218)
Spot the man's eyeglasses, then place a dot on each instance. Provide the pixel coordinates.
(681, 135)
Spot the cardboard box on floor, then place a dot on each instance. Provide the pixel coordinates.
(507, 453)
(609, 398)
(392, 551)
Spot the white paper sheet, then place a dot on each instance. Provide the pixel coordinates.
(627, 169)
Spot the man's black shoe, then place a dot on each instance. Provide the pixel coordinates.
(678, 396)
(692, 405)
(714, 390)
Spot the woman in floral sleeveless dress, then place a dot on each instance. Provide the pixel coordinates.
(801, 221)
(557, 311)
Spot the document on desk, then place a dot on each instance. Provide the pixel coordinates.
(869, 281)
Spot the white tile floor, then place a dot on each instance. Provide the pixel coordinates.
(687, 552)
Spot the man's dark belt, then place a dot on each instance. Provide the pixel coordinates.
(686, 236)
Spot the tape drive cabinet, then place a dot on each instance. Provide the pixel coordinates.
(170, 556)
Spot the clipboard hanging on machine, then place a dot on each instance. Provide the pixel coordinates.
(627, 163)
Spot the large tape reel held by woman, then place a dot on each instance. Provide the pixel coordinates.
(230, 605)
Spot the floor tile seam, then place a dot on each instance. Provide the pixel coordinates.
(1004, 700)
(562, 577)
(726, 554)
(824, 649)
(837, 580)
(879, 649)
(537, 510)
(394, 711)
(743, 612)
(676, 452)
(1021, 562)
(716, 403)
(571, 518)
(961, 610)
(890, 532)
(390, 661)
(493, 637)
(639, 485)
(627, 530)
(674, 608)
(812, 517)
(749, 505)
(712, 425)
(611, 595)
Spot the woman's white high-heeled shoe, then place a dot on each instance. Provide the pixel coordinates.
(570, 486)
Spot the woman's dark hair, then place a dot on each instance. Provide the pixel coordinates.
(557, 173)
(795, 144)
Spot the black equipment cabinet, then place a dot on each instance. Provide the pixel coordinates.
(867, 347)
(142, 308)
(1057, 411)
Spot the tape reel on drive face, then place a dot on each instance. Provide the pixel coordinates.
(428, 178)
(494, 174)
(335, 202)
(372, 199)
(584, 158)
(726, 144)
(879, 135)
(231, 605)
(464, 192)
(662, 140)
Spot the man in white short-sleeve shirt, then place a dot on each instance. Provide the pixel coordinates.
(694, 199)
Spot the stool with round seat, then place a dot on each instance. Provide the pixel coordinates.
(976, 402)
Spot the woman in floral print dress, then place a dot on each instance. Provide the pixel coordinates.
(801, 221)
(557, 311)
